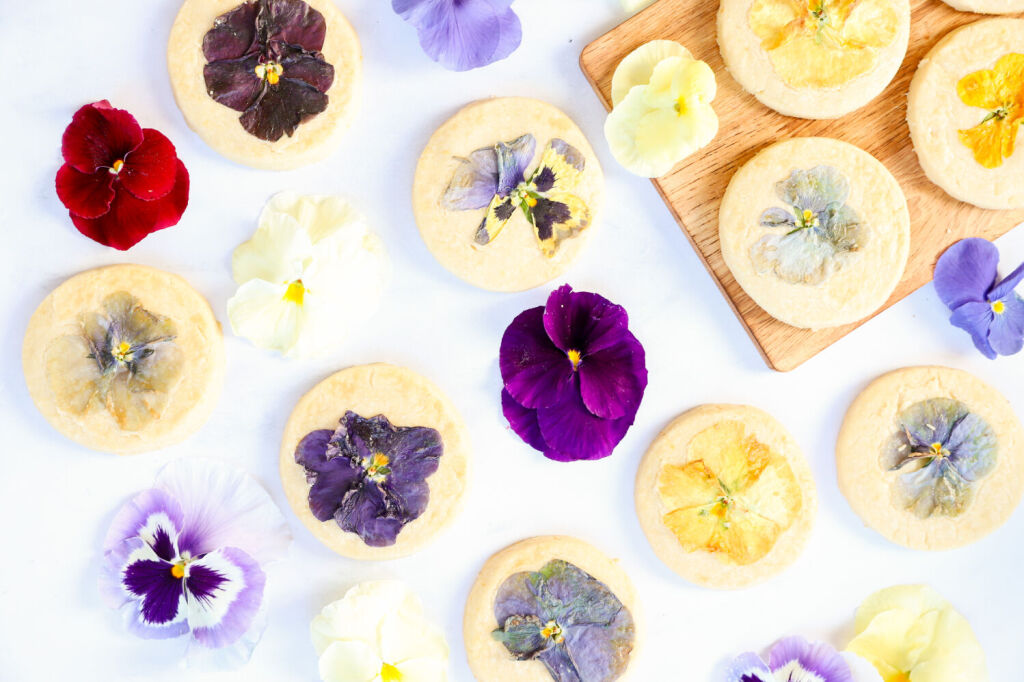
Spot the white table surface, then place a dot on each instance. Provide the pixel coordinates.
(58, 498)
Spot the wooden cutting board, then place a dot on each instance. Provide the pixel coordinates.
(693, 190)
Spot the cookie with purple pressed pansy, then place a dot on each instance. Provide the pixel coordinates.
(124, 359)
(551, 608)
(374, 461)
(267, 83)
(931, 457)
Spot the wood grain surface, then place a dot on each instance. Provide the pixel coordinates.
(694, 188)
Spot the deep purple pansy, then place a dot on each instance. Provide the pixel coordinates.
(184, 558)
(463, 34)
(574, 375)
(794, 659)
(966, 279)
(369, 476)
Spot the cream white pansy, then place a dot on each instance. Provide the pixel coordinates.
(635, 5)
(662, 108)
(377, 633)
(311, 273)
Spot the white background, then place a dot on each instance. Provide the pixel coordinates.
(58, 498)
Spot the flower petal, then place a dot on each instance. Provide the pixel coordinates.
(161, 593)
(638, 66)
(233, 33)
(966, 271)
(282, 108)
(466, 35)
(233, 82)
(1007, 285)
(523, 421)
(620, 130)
(359, 614)
(150, 170)
(349, 661)
(797, 660)
(365, 513)
(748, 667)
(154, 516)
(406, 636)
(612, 380)
(570, 430)
(295, 23)
(474, 183)
(87, 195)
(311, 451)
(259, 312)
(98, 136)
(333, 481)
(583, 321)
(224, 591)
(976, 318)
(1006, 333)
(275, 253)
(534, 371)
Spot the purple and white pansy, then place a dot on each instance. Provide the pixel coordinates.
(185, 557)
(795, 659)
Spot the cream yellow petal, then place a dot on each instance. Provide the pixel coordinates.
(349, 661)
(660, 92)
(695, 82)
(635, 5)
(871, 23)
(259, 312)
(638, 66)
(406, 635)
(917, 599)
(424, 670)
(891, 642)
(277, 251)
(620, 131)
(318, 214)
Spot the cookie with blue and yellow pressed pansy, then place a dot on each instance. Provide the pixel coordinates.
(506, 193)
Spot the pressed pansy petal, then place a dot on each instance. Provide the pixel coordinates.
(966, 271)
(475, 182)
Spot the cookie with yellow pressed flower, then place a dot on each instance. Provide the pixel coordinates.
(815, 59)
(966, 111)
(725, 496)
(124, 359)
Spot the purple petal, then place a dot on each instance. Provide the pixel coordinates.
(462, 34)
(513, 159)
(796, 659)
(117, 594)
(523, 421)
(510, 31)
(365, 513)
(1006, 287)
(234, 82)
(161, 593)
(976, 317)
(311, 451)
(224, 591)
(572, 432)
(515, 597)
(535, 372)
(612, 381)
(303, 66)
(1006, 333)
(560, 664)
(295, 22)
(748, 667)
(598, 649)
(282, 108)
(333, 483)
(474, 183)
(966, 271)
(583, 321)
(154, 516)
(233, 33)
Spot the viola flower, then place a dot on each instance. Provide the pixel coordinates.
(818, 228)
(1000, 91)
(123, 359)
(574, 376)
(944, 449)
(794, 659)
(264, 60)
(311, 273)
(370, 476)
(119, 182)
(463, 34)
(909, 633)
(990, 311)
(184, 559)
(378, 632)
(567, 619)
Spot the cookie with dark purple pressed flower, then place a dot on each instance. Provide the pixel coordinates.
(267, 83)
(931, 457)
(374, 461)
(551, 608)
(124, 359)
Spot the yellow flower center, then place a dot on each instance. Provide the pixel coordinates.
(269, 71)
(178, 570)
(122, 352)
(899, 677)
(998, 307)
(553, 631)
(809, 218)
(575, 357)
(389, 673)
(116, 168)
(938, 449)
(376, 466)
(295, 293)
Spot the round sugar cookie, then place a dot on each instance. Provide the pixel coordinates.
(315, 138)
(816, 231)
(806, 59)
(696, 479)
(407, 400)
(960, 140)
(987, 6)
(513, 259)
(124, 359)
(490, 660)
(926, 498)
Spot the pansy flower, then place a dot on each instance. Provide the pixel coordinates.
(370, 476)
(463, 34)
(574, 375)
(1000, 91)
(495, 178)
(566, 619)
(990, 310)
(264, 60)
(794, 659)
(119, 182)
(814, 232)
(185, 559)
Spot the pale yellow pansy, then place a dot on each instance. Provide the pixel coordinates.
(637, 67)
(911, 634)
(311, 274)
(658, 124)
(635, 5)
(377, 633)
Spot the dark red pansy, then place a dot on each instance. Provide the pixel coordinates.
(119, 182)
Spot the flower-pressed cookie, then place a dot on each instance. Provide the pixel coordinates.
(551, 608)
(725, 496)
(124, 359)
(506, 193)
(267, 83)
(816, 231)
(374, 461)
(930, 457)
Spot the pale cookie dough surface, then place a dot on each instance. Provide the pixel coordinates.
(218, 124)
(406, 399)
(987, 6)
(862, 280)
(192, 397)
(488, 658)
(751, 65)
(872, 420)
(936, 113)
(671, 447)
(513, 261)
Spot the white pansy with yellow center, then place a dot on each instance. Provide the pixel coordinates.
(311, 273)
(377, 633)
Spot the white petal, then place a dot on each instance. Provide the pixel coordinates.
(359, 614)
(620, 130)
(407, 635)
(349, 662)
(319, 215)
(259, 312)
(638, 65)
(276, 253)
(635, 5)
(424, 670)
(861, 670)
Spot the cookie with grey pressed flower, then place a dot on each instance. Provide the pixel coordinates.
(507, 192)
(124, 359)
(931, 457)
(267, 83)
(374, 461)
